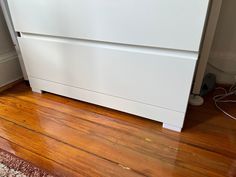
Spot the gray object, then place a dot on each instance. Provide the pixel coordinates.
(208, 84)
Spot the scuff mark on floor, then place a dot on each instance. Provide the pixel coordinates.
(124, 167)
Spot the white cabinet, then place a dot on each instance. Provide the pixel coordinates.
(134, 56)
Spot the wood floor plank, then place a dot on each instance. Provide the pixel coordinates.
(85, 163)
(215, 135)
(37, 159)
(157, 145)
(125, 154)
(90, 140)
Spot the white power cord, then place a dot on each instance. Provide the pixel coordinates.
(221, 99)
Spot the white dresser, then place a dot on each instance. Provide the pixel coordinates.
(136, 56)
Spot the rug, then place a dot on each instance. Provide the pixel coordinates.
(12, 166)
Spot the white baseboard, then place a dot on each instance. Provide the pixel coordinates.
(11, 81)
(223, 55)
(6, 56)
(10, 70)
(225, 62)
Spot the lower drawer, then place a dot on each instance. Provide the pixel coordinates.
(160, 78)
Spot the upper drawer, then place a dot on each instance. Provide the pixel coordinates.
(175, 24)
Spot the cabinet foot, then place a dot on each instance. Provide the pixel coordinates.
(172, 127)
(196, 100)
(36, 90)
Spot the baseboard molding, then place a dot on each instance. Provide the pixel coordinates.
(10, 70)
(222, 64)
(6, 56)
(223, 61)
(11, 84)
(223, 55)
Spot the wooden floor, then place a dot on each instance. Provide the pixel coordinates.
(72, 138)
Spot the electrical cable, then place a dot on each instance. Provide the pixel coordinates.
(221, 98)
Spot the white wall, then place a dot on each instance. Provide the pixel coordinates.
(5, 40)
(223, 52)
(9, 64)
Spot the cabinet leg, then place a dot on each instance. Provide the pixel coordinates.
(196, 100)
(172, 127)
(36, 90)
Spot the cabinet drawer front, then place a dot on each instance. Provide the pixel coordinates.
(176, 24)
(136, 74)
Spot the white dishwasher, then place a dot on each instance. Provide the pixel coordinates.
(136, 56)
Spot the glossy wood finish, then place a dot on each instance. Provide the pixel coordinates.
(72, 138)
